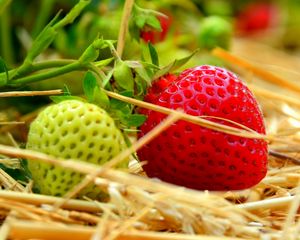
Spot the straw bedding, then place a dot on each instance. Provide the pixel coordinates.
(141, 208)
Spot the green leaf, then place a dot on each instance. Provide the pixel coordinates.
(89, 85)
(141, 87)
(133, 120)
(153, 54)
(90, 54)
(174, 65)
(58, 99)
(140, 21)
(66, 91)
(123, 75)
(104, 62)
(100, 98)
(117, 104)
(3, 68)
(141, 71)
(103, 43)
(127, 93)
(106, 80)
(153, 22)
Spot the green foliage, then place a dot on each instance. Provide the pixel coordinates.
(153, 54)
(215, 32)
(3, 68)
(143, 18)
(177, 63)
(123, 75)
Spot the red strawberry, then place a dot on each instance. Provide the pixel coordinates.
(155, 36)
(196, 157)
(158, 86)
(257, 17)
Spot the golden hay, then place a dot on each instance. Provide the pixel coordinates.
(143, 208)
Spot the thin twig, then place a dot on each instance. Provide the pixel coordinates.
(258, 71)
(283, 156)
(38, 199)
(31, 93)
(193, 119)
(124, 26)
(12, 123)
(38, 230)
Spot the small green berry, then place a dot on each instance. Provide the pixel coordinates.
(72, 129)
(215, 32)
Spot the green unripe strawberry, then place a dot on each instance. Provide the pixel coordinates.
(215, 32)
(76, 130)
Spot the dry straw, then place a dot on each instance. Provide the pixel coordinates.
(143, 208)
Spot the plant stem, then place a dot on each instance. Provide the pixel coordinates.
(3, 5)
(43, 15)
(124, 26)
(6, 46)
(70, 17)
(51, 64)
(42, 76)
(36, 67)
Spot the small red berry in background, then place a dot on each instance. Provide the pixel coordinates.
(257, 17)
(155, 36)
(196, 157)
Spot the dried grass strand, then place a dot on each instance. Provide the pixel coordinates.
(38, 199)
(37, 230)
(12, 123)
(193, 119)
(274, 95)
(291, 214)
(31, 93)
(282, 202)
(124, 26)
(231, 58)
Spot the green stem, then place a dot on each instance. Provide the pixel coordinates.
(6, 43)
(3, 5)
(42, 18)
(36, 67)
(70, 17)
(43, 76)
(51, 64)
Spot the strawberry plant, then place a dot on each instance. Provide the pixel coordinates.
(94, 128)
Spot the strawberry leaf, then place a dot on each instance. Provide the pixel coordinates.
(89, 85)
(104, 62)
(153, 22)
(106, 80)
(141, 71)
(66, 91)
(117, 104)
(58, 99)
(153, 54)
(140, 21)
(174, 65)
(3, 68)
(133, 120)
(123, 75)
(100, 98)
